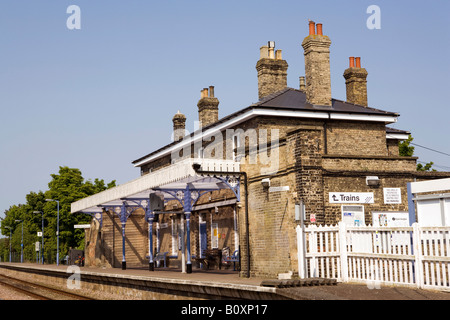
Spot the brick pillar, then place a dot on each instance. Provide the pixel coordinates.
(272, 71)
(306, 144)
(208, 107)
(356, 83)
(317, 67)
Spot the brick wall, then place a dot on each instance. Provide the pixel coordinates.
(356, 138)
(136, 246)
(392, 147)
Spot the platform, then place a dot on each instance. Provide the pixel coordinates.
(171, 284)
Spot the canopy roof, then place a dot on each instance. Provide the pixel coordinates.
(177, 176)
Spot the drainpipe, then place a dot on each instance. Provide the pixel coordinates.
(325, 136)
(196, 167)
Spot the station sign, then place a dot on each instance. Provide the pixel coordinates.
(82, 226)
(278, 189)
(351, 197)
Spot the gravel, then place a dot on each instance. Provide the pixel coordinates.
(7, 293)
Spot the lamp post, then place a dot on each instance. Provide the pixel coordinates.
(10, 231)
(57, 231)
(21, 242)
(42, 249)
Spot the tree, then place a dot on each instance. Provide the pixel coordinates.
(426, 167)
(67, 186)
(406, 150)
(404, 147)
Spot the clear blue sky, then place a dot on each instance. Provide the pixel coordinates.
(100, 97)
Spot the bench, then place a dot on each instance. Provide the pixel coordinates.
(233, 258)
(203, 262)
(160, 256)
(210, 257)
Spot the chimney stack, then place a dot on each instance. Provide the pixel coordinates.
(208, 107)
(356, 83)
(179, 126)
(316, 48)
(272, 71)
(302, 84)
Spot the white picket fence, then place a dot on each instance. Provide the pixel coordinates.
(411, 256)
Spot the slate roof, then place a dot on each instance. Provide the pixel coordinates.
(393, 131)
(294, 99)
(291, 99)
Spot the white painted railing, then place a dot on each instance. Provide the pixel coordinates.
(217, 165)
(411, 256)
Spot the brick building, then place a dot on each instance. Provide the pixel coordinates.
(338, 158)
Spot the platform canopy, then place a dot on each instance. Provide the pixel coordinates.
(168, 180)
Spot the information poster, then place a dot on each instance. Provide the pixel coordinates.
(390, 219)
(353, 215)
(214, 236)
(392, 195)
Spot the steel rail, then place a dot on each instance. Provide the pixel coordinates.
(30, 291)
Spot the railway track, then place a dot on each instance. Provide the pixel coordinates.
(38, 291)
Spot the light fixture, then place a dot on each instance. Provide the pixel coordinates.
(265, 183)
(196, 166)
(372, 181)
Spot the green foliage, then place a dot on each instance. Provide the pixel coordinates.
(426, 167)
(406, 150)
(67, 186)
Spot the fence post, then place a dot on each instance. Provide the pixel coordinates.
(313, 251)
(417, 245)
(343, 251)
(300, 252)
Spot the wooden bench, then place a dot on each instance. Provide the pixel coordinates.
(210, 257)
(203, 261)
(160, 256)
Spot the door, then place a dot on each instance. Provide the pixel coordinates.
(203, 238)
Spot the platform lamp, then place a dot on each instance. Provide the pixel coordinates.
(42, 249)
(21, 242)
(10, 231)
(57, 231)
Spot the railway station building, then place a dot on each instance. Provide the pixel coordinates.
(232, 187)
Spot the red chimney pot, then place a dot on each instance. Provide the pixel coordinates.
(319, 29)
(312, 28)
(358, 62)
(352, 62)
